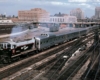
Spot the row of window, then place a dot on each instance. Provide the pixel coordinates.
(5, 22)
(5, 45)
(58, 38)
(57, 20)
(34, 19)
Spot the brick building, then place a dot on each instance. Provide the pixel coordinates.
(34, 15)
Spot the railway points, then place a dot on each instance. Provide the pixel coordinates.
(39, 63)
(92, 71)
(53, 75)
(30, 59)
(36, 65)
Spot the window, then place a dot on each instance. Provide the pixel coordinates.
(53, 20)
(63, 20)
(37, 43)
(41, 42)
(4, 45)
(8, 45)
(60, 19)
(1, 45)
(14, 46)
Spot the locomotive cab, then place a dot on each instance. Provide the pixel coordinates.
(7, 45)
(7, 49)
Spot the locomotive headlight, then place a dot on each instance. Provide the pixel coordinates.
(13, 51)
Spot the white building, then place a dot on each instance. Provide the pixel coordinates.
(78, 13)
(97, 12)
(5, 21)
(63, 19)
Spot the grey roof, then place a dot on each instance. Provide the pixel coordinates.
(60, 32)
(45, 35)
(11, 42)
(68, 30)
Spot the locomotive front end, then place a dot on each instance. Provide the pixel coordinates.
(6, 48)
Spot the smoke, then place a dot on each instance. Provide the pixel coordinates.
(19, 32)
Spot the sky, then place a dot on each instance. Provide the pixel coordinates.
(11, 7)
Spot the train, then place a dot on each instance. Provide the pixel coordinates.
(40, 42)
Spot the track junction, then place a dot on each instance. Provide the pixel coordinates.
(51, 64)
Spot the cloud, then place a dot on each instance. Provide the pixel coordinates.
(77, 0)
(53, 6)
(83, 0)
(87, 5)
(59, 3)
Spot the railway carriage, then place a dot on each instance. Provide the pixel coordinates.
(47, 39)
(44, 41)
(72, 35)
(83, 32)
(60, 38)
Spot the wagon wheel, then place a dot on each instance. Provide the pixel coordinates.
(5, 59)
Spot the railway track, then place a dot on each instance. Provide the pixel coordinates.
(41, 64)
(69, 72)
(93, 71)
(45, 68)
(9, 70)
(52, 73)
(30, 53)
(97, 75)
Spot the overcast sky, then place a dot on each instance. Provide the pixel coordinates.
(10, 7)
